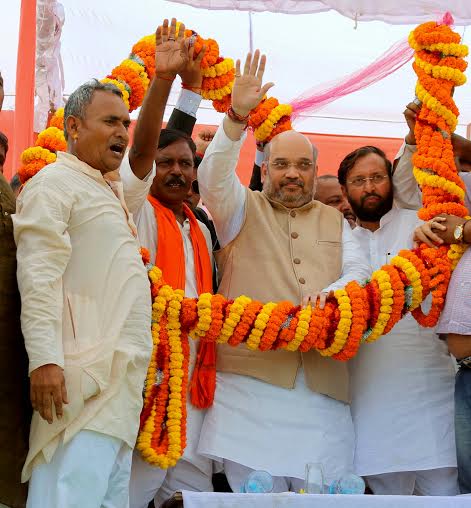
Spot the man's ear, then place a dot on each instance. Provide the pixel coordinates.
(263, 171)
(72, 126)
(344, 192)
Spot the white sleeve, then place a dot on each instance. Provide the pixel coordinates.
(188, 102)
(354, 266)
(407, 194)
(135, 189)
(43, 253)
(220, 188)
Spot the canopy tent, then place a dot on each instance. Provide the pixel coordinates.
(397, 12)
(303, 51)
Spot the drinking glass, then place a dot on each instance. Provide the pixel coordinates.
(314, 478)
(258, 482)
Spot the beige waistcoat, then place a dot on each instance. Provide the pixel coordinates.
(283, 254)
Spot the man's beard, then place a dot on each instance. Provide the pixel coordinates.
(287, 198)
(373, 214)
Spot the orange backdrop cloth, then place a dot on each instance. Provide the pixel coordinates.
(25, 81)
(332, 148)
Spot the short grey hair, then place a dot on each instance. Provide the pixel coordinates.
(80, 98)
(267, 149)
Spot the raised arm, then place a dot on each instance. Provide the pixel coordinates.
(183, 117)
(220, 188)
(406, 191)
(171, 55)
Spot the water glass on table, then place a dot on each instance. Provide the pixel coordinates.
(258, 482)
(314, 478)
(348, 484)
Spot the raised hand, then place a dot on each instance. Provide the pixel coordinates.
(410, 114)
(191, 73)
(203, 139)
(248, 91)
(171, 51)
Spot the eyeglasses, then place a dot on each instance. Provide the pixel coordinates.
(361, 180)
(284, 165)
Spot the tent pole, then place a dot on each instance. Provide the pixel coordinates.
(25, 72)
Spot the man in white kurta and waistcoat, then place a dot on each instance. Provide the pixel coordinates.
(276, 411)
(86, 306)
(402, 385)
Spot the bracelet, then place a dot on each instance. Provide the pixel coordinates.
(237, 118)
(165, 78)
(194, 89)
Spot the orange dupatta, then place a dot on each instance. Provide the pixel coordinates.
(170, 258)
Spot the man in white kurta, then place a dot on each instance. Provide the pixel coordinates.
(193, 471)
(402, 385)
(86, 306)
(254, 424)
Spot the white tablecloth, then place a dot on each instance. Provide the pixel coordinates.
(219, 500)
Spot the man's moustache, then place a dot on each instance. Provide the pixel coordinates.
(373, 195)
(297, 182)
(175, 180)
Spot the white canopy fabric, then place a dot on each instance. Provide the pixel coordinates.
(302, 52)
(395, 12)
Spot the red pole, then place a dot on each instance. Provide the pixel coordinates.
(25, 81)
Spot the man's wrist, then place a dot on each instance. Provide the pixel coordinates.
(467, 232)
(410, 139)
(166, 77)
(193, 88)
(237, 117)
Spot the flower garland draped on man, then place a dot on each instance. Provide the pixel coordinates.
(181, 247)
(277, 245)
(86, 308)
(401, 385)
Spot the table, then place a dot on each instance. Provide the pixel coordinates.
(290, 500)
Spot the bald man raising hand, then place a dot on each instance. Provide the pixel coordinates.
(276, 410)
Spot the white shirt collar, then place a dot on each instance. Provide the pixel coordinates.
(385, 220)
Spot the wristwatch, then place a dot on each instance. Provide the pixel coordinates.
(458, 233)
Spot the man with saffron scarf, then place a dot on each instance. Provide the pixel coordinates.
(181, 247)
(276, 410)
(86, 306)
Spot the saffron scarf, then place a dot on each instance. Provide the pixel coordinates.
(170, 258)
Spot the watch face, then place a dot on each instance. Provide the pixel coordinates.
(458, 232)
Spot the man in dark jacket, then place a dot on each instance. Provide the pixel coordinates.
(14, 386)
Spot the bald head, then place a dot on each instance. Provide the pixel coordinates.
(291, 140)
(289, 169)
(329, 192)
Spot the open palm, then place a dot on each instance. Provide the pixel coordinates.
(171, 52)
(248, 91)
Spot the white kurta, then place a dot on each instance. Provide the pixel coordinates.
(253, 423)
(136, 192)
(403, 384)
(86, 303)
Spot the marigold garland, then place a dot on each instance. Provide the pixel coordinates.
(132, 76)
(358, 313)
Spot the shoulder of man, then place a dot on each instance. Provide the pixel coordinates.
(329, 210)
(54, 179)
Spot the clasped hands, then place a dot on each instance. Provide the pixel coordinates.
(438, 231)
